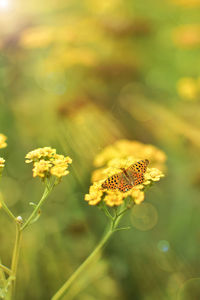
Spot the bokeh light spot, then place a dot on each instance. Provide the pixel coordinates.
(144, 216)
(4, 4)
(190, 290)
(163, 246)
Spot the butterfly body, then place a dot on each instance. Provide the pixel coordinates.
(128, 178)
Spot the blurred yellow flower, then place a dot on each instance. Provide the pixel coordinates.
(3, 139)
(74, 56)
(2, 163)
(121, 155)
(137, 195)
(188, 88)
(186, 3)
(47, 162)
(187, 36)
(131, 150)
(37, 37)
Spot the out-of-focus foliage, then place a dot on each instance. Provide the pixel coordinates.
(77, 76)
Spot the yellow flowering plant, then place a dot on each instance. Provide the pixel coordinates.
(114, 159)
(124, 172)
(50, 167)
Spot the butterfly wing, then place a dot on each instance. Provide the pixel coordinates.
(139, 167)
(138, 178)
(136, 172)
(124, 185)
(112, 182)
(126, 180)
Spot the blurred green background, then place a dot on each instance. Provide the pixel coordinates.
(77, 76)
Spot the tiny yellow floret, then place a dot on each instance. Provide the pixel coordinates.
(41, 168)
(2, 165)
(2, 162)
(3, 139)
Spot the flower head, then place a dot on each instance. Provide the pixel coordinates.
(2, 164)
(128, 150)
(188, 88)
(113, 159)
(2, 161)
(37, 154)
(46, 162)
(41, 168)
(3, 139)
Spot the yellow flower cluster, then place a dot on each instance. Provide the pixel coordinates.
(37, 154)
(187, 36)
(2, 163)
(3, 139)
(128, 150)
(47, 162)
(121, 155)
(189, 88)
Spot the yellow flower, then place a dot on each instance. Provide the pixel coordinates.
(121, 155)
(187, 36)
(61, 160)
(2, 163)
(41, 168)
(3, 139)
(47, 162)
(131, 149)
(95, 194)
(59, 171)
(188, 88)
(137, 195)
(37, 154)
(114, 198)
(152, 174)
(38, 37)
(60, 165)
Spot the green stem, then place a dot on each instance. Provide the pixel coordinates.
(47, 191)
(15, 258)
(123, 211)
(6, 209)
(5, 269)
(60, 293)
(107, 213)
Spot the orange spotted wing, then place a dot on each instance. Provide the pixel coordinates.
(128, 178)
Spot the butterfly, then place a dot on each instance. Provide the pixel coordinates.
(128, 178)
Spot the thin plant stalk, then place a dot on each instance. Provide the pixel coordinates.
(15, 258)
(6, 209)
(112, 228)
(18, 237)
(5, 269)
(47, 191)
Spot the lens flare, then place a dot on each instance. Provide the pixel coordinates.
(4, 4)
